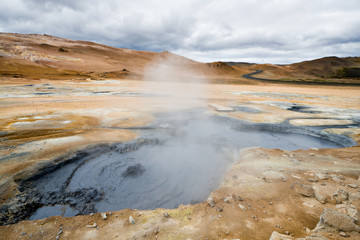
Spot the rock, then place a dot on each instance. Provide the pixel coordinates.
(131, 220)
(238, 198)
(278, 236)
(339, 221)
(314, 180)
(227, 199)
(321, 176)
(272, 175)
(353, 185)
(337, 178)
(62, 50)
(103, 215)
(354, 196)
(166, 215)
(219, 209)
(349, 210)
(92, 226)
(241, 206)
(308, 204)
(314, 236)
(59, 233)
(319, 196)
(303, 189)
(211, 202)
(343, 234)
(340, 196)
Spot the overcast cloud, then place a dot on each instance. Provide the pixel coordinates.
(276, 31)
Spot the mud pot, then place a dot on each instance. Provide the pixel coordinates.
(179, 159)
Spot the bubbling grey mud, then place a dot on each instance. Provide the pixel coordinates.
(180, 159)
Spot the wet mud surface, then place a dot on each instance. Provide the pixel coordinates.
(179, 159)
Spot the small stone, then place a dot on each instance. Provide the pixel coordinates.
(188, 218)
(239, 198)
(343, 194)
(302, 189)
(321, 176)
(211, 202)
(343, 234)
(103, 215)
(241, 206)
(227, 199)
(277, 236)
(92, 226)
(219, 209)
(319, 196)
(308, 204)
(353, 185)
(91, 214)
(227, 233)
(312, 180)
(270, 203)
(23, 234)
(337, 178)
(287, 232)
(156, 231)
(166, 215)
(131, 220)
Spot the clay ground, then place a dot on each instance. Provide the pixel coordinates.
(43, 119)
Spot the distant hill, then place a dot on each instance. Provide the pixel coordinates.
(36, 56)
(323, 70)
(43, 56)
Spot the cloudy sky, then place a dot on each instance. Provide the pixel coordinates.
(275, 31)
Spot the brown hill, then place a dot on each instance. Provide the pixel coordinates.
(43, 56)
(35, 56)
(327, 69)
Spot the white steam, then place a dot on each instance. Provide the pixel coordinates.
(176, 82)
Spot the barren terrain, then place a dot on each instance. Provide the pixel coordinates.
(61, 97)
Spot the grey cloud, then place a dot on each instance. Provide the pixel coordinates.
(262, 30)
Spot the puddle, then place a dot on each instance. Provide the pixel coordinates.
(57, 210)
(180, 160)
